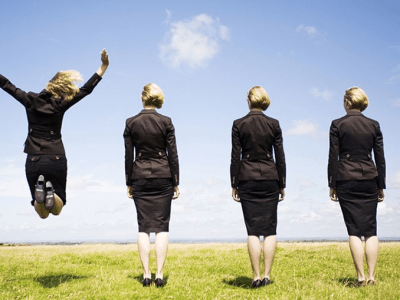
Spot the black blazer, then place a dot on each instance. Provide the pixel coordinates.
(153, 137)
(45, 114)
(253, 138)
(352, 138)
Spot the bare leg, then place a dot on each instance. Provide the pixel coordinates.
(144, 252)
(357, 251)
(41, 210)
(371, 253)
(58, 205)
(161, 247)
(253, 245)
(269, 246)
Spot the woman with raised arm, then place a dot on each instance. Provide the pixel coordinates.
(46, 164)
(354, 180)
(257, 180)
(152, 179)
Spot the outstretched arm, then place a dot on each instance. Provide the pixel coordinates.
(104, 63)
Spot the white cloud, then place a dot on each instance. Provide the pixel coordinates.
(168, 16)
(193, 42)
(326, 95)
(395, 181)
(396, 102)
(309, 30)
(384, 209)
(303, 127)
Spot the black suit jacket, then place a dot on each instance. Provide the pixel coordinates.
(152, 135)
(253, 138)
(352, 138)
(45, 114)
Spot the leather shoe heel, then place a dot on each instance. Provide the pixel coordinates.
(146, 282)
(256, 284)
(49, 201)
(265, 281)
(159, 282)
(39, 190)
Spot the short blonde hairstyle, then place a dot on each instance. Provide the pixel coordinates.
(356, 98)
(258, 98)
(61, 85)
(152, 95)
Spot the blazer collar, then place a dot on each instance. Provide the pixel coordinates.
(255, 112)
(354, 113)
(148, 111)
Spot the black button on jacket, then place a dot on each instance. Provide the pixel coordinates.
(152, 136)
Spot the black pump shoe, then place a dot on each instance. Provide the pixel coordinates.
(159, 282)
(146, 281)
(49, 201)
(265, 281)
(39, 190)
(256, 284)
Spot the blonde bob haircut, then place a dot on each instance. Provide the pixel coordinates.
(355, 98)
(258, 98)
(152, 95)
(62, 86)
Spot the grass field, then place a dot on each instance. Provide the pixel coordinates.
(192, 271)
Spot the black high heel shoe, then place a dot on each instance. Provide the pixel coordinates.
(146, 281)
(39, 189)
(256, 284)
(265, 281)
(159, 282)
(49, 201)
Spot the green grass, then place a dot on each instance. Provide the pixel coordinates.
(192, 271)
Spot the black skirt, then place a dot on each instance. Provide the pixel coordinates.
(359, 200)
(153, 198)
(259, 199)
(53, 168)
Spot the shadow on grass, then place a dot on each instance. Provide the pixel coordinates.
(139, 278)
(348, 282)
(240, 281)
(52, 281)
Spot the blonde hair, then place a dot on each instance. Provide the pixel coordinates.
(152, 95)
(61, 85)
(258, 98)
(356, 98)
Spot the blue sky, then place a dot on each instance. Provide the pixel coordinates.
(205, 55)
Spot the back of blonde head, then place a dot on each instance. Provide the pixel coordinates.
(258, 98)
(152, 95)
(356, 98)
(62, 86)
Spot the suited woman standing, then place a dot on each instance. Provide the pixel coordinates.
(152, 179)
(354, 180)
(257, 180)
(46, 164)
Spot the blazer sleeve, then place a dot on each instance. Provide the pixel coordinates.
(85, 90)
(280, 157)
(15, 92)
(380, 159)
(172, 153)
(235, 157)
(128, 156)
(333, 155)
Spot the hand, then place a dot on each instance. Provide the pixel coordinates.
(105, 63)
(333, 195)
(176, 193)
(381, 195)
(282, 192)
(129, 192)
(235, 195)
(104, 57)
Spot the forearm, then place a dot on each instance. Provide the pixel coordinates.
(102, 69)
